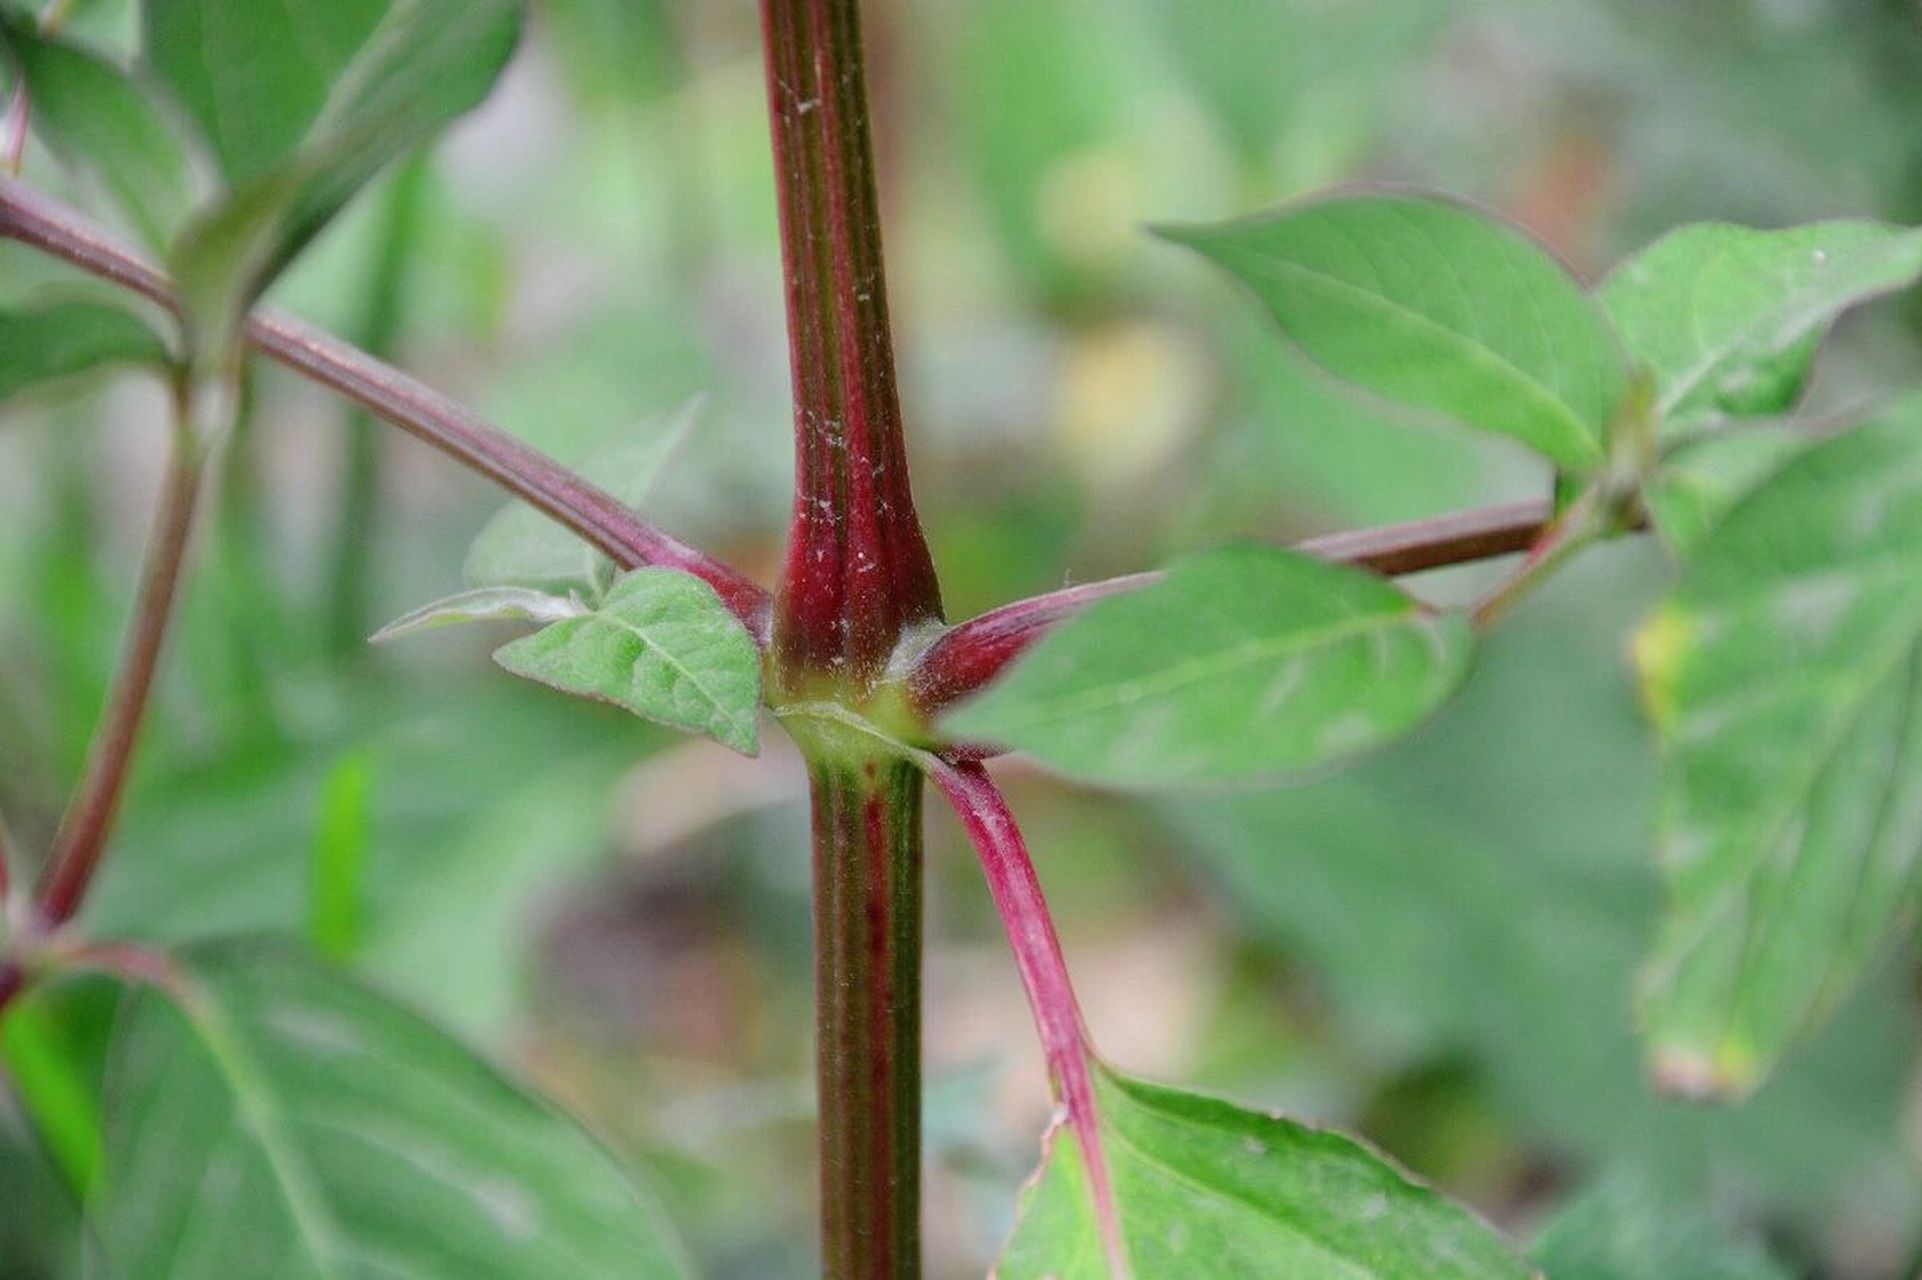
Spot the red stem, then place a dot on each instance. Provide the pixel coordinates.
(82, 837)
(1044, 973)
(595, 515)
(975, 652)
(858, 571)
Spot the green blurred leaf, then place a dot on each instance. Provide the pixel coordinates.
(1625, 1229)
(483, 604)
(1314, 76)
(1240, 663)
(1729, 318)
(1698, 484)
(302, 103)
(281, 1120)
(1203, 1187)
(1436, 309)
(44, 344)
(1482, 893)
(54, 1091)
(336, 912)
(1784, 677)
(521, 546)
(661, 645)
(95, 116)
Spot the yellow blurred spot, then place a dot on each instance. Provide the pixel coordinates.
(1091, 205)
(1128, 399)
(1658, 650)
(1729, 1074)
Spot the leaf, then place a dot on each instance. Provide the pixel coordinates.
(1481, 893)
(1240, 663)
(53, 1091)
(661, 645)
(1729, 318)
(484, 604)
(1436, 309)
(523, 546)
(45, 344)
(1697, 485)
(1206, 1188)
(302, 103)
(93, 114)
(281, 1120)
(336, 924)
(1784, 677)
(1624, 1229)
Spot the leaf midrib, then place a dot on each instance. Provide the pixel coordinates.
(1586, 438)
(1108, 696)
(640, 633)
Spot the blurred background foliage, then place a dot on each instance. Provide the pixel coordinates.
(1436, 948)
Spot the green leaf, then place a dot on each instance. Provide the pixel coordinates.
(484, 604)
(1625, 1229)
(281, 1120)
(53, 1090)
(336, 909)
(1202, 1187)
(1240, 663)
(1698, 485)
(661, 645)
(94, 115)
(1436, 309)
(1729, 318)
(1481, 893)
(302, 103)
(44, 344)
(523, 546)
(1784, 677)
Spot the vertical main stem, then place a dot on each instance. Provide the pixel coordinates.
(867, 924)
(858, 571)
(857, 576)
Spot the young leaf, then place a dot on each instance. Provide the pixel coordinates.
(1784, 676)
(1437, 309)
(1698, 485)
(1729, 318)
(1206, 1188)
(281, 1120)
(302, 103)
(1625, 1229)
(94, 115)
(485, 604)
(48, 343)
(1243, 662)
(663, 646)
(521, 546)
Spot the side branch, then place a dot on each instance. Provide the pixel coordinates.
(89, 819)
(974, 653)
(1044, 973)
(591, 512)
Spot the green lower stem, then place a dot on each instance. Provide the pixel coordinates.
(867, 917)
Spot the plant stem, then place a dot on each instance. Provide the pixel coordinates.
(867, 938)
(592, 513)
(1016, 890)
(1580, 526)
(83, 832)
(976, 651)
(858, 572)
(857, 576)
(349, 619)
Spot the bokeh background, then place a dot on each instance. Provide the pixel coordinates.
(1436, 948)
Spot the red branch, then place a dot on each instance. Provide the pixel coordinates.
(974, 653)
(1044, 973)
(594, 514)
